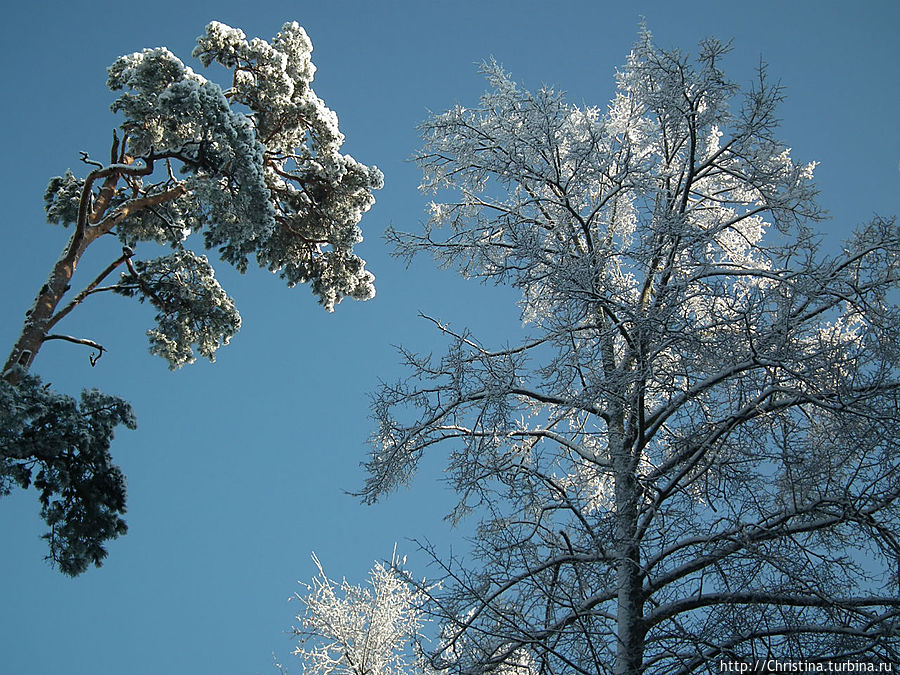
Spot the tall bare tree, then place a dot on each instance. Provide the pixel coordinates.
(693, 457)
(254, 170)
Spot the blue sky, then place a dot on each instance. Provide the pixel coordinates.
(239, 469)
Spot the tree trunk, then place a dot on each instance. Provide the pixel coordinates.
(630, 602)
(39, 318)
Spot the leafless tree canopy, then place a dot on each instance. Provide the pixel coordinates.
(693, 456)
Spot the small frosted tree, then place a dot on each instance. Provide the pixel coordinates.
(693, 455)
(356, 630)
(252, 171)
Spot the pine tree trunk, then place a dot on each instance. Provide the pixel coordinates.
(39, 318)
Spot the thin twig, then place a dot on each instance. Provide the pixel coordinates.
(86, 159)
(81, 341)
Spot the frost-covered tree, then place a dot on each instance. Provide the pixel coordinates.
(361, 630)
(693, 454)
(253, 171)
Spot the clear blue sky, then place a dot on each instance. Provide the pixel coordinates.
(239, 470)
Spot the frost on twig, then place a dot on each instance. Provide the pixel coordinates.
(362, 630)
